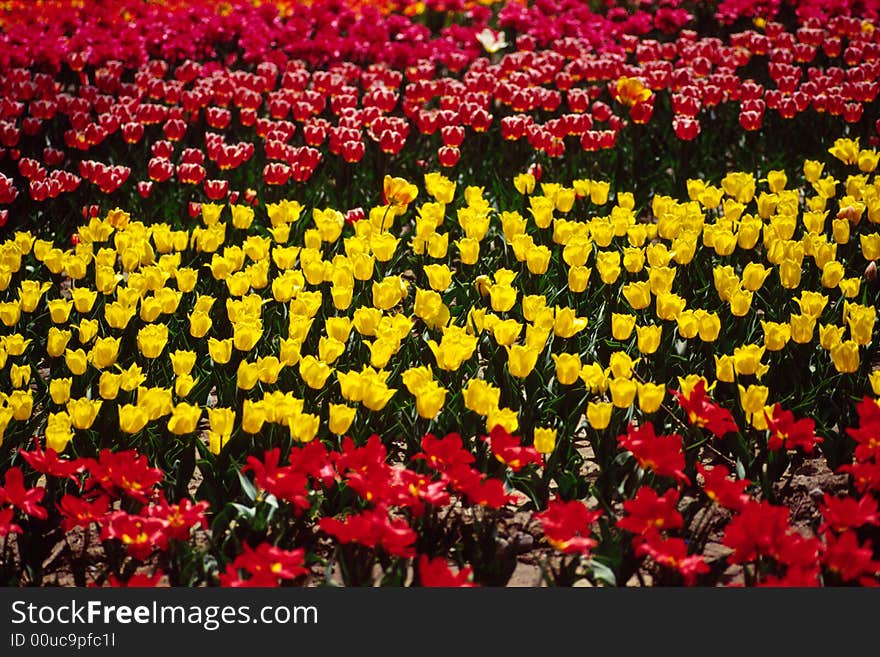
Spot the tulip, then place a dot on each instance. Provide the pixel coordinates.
(151, 340)
(184, 418)
(83, 412)
(650, 396)
(747, 360)
(521, 360)
(724, 368)
(568, 367)
(845, 356)
(253, 416)
(802, 328)
(132, 418)
(59, 389)
(776, 335)
(156, 401)
(341, 417)
(58, 432)
(313, 372)
(649, 338)
(544, 440)
(76, 361)
(566, 323)
(599, 414)
(108, 385)
(304, 426)
(83, 299)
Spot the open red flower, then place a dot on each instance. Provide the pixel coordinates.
(140, 535)
(788, 433)
(26, 499)
(360, 458)
(759, 529)
(47, 462)
(508, 449)
(648, 511)
(125, 472)
(445, 453)
(373, 528)
(842, 513)
(566, 526)
(705, 413)
(267, 565)
(420, 490)
(180, 517)
(479, 489)
(721, 490)
(672, 553)
(284, 482)
(866, 475)
(78, 512)
(437, 573)
(661, 454)
(846, 557)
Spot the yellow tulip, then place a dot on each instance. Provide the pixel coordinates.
(845, 356)
(568, 367)
(341, 417)
(688, 324)
(724, 368)
(802, 328)
(56, 341)
(776, 335)
(247, 375)
(132, 418)
(623, 392)
(156, 402)
(544, 440)
(649, 338)
(184, 419)
(59, 389)
(874, 380)
(747, 360)
(456, 346)
(521, 360)
(76, 361)
(538, 259)
(151, 340)
(104, 352)
(83, 412)
(59, 310)
(506, 418)
(524, 183)
(753, 398)
(83, 299)
(599, 414)
(313, 372)
(622, 325)
(754, 275)
(740, 302)
(108, 385)
(58, 431)
(481, 396)
(566, 323)
(621, 365)
(669, 306)
(830, 335)
(650, 396)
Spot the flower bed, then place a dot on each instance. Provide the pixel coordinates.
(415, 294)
